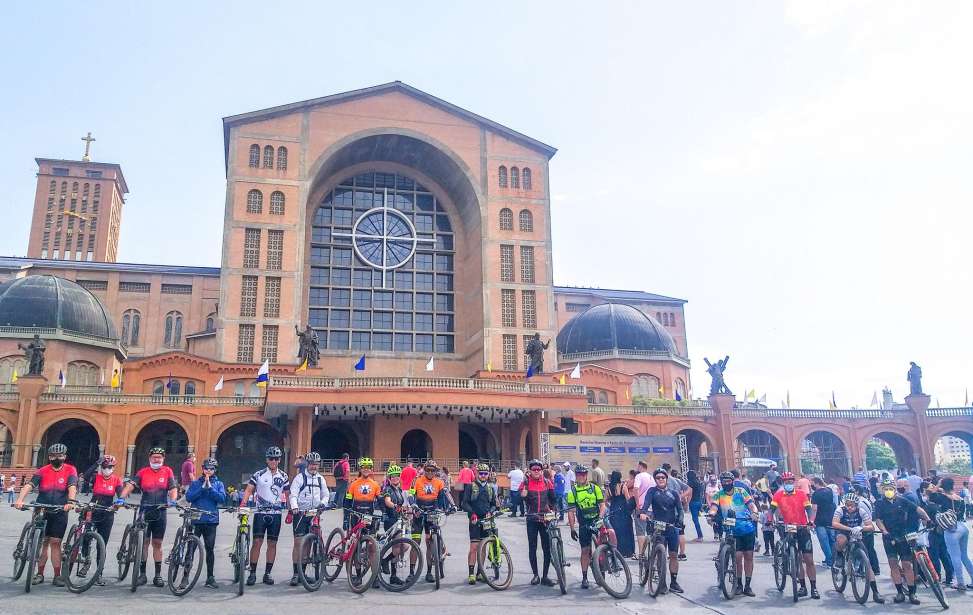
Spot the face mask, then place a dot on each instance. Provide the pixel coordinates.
(57, 463)
(789, 488)
(900, 489)
(155, 466)
(728, 487)
(107, 471)
(890, 493)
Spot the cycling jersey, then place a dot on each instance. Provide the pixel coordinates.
(539, 496)
(852, 519)
(52, 485)
(738, 500)
(105, 490)
(664, 504)
(479, 498)
(794, 507)
(586, 499)
(899, 515)
(154, 484)
(362, 493)
(268, 490)
(308, 491)
(428, 493)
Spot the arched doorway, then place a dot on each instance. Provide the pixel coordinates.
(167, 434)
(620, 431)
(80, 438)
(698, 450)
(888, 450)
(951, 453)
(477, 442)
(416, 444)
(334, 439)
(824, 454)
(529, 445)
(241, 449)
(6, 445)
(755, 448)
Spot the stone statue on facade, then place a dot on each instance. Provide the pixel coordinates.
(535, 352)
(915, 379)
(307, 346)
(715, 370)
(34, 352)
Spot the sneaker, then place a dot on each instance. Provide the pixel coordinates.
(748, 592)
(37, 580)
(157, 581)
(471, 580)
(584, 584)
(814, 594)
(268, 580)
(674, 587)
(877, 598)
(211, 583)
(913, 599)
(801, 591)
(58, 581)
(295, 581)
(737, 589)
(546, 582)
(252, 578)
(682, 557)
(536, 580)
(899, 598)
(398, 581)
(429, 578)
(100, 582)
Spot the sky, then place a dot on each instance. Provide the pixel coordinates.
(799, 172)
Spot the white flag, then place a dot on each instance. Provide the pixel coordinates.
(431, 364)
(763, 399)
(219, 385)
(874, 400)
(576, 372)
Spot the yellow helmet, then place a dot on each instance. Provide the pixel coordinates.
(393, 470)
(365, 462)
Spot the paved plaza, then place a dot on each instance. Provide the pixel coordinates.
(455, 596)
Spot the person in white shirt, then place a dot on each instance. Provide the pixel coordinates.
(308, 491)
(569, 478)
(516, 476)
(643, 480)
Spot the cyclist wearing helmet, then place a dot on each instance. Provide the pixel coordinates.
(308, 491)
(56, 483)
(537, 493)
(793, 507)
(586, 504)
(736, 502)
(269, 487)
(429, 493)
(206, 492)
(363, 493)
(852, 520)
(895, 515)
(106, 486)
(159, 488)
(665, 504)
(392, 500)
(479, 499)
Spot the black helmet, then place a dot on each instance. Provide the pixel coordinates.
(57, 449)
(535, 462)
(659, 471)
(210, 464)
(274, 452)
(727, 476)
(580, 469)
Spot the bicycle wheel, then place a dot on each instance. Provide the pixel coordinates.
(20, 551)
(362, 565)
(493, 561)
(794, 563)
(333, 550)
(858, 567)
(657, 570)
(923, 564)
(557, 561)
(727, 564)
(644, 563)
(123, 555)
(81, 570)
(242, 559)
(780, 567)
(33, 551)
(435, 549)
(136, 538)
(312, 568)
(839, 574)
(611, 571)
(397, 555)
(185, 564)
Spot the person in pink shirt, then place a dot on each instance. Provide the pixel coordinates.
(803, 484)
(643, 481)
(465, 477)
(408, 475)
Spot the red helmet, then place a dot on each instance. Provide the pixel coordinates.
(787, 476)
(108, 460)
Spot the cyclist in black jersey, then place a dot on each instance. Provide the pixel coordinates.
(664, 504)
(851, 520)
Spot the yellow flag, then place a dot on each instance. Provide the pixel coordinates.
(13, 379)
(627, 394)
(114, 379)
(561, 379)
(662, 391)
(489, 366)
(303, 367)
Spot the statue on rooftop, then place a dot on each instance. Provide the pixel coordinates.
(34, 352)
(535, 352)
(715, 370)
(307, 346)
(915, 379)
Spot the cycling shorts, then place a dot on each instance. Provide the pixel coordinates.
(420, 524)
(57, 523)
(476, 532)
(268, 525)
(155, 523)
(804, 543)
(897, 548)
(746, 542)
(672, 539)
(586, 534)
(302, 524)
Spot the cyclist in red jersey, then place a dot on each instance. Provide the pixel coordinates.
(56, 483)
(537, 492)
(105, 489)
(793, 507)
(159, 488)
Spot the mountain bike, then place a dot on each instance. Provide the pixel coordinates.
(435, 546)
(492, 557)
(924, 570)
(607, 564)
(787, 559)
(76, 551)
(131, 550)
(653, 558)
(356, 550)
(28, 548)
(557, 549)
(852, 564)
(399, 552)
(186, 557)
(240, 553)
(726, 573)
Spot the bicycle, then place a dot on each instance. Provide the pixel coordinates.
(433, 520)
(399, 551)
(493, 555)
(357, 551)
(28, 548)
(726, 573)
(652, 559)
(183, 561)
(852, 564)
(130, 551)
(76, 552)
(607, 564)
(924, 570)
(240, 553)
(787, 559)
(557, 549)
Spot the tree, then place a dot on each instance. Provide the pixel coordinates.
(810, 466)
(879, 456)
(959, 467)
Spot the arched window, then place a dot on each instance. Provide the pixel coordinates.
(506, 219)
(277, 203)
(525, 175)
(645, 385)
(239, 389)
(173, 387)
(591, 396)
(515, 178)
(158, 388)
(255, 202)
(603, 397)
(502, 175)
(281, 158)
(173, 330)
(190, 388)
(131, 323)
(526, 221)
(254, 156)
(9, 365)
(680, 387)
(268, 157)
(211, 322)
(82, 373)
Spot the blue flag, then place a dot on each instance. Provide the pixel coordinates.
(530, 371)
(678, 396)
(170, 386)
(360, 366)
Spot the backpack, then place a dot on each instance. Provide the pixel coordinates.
(475, 491)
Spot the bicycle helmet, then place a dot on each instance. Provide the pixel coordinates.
(210, 464)
(157, 450)
(946, 520)
(535, 462)
(274, 452)
(430, 466)
(312, 457)
(57, 449)
(108, 461)
(366, 462)
(393, 470)
(580, 469)
(659, 471)
(727, 476)
(850, 498)
(483, 468)
(787, 476)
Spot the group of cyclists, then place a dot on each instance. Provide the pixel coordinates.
(276, 498)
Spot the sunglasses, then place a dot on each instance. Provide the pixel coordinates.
(483, 473)
(536, 469)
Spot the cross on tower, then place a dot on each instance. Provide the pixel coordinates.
(87, 147)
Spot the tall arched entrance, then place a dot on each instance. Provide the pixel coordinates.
(887, 450)
(951, 453)
(241, 450)
(80, 438)
(6, 445)
(333, 439)
(824, 454)
(416, 444)
(755, 449)
(698, 450)
(167, 434)
(477, 442)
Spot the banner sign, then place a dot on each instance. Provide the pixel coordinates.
(620, 453)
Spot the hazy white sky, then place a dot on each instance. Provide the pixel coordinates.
(798, 171)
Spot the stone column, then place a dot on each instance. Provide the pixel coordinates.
(722, 405)
(129, 459)
(924, 455)
(25, 440)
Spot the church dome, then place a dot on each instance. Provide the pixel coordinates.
(49, 302)
(609, 326)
